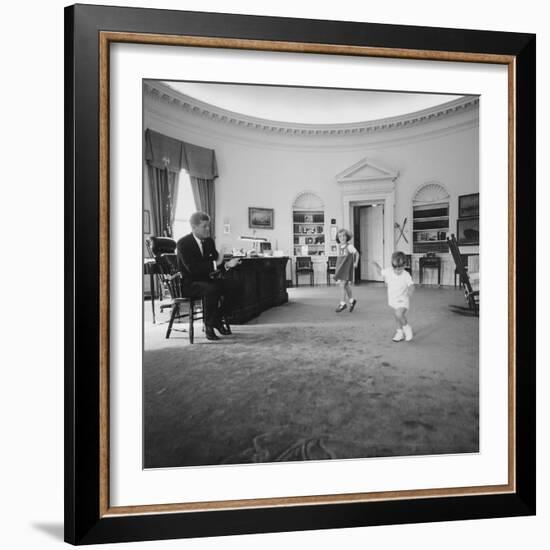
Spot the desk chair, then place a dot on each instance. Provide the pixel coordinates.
(408, 264)
(331, 267)
(304, 266)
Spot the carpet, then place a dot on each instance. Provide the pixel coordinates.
(302, 383)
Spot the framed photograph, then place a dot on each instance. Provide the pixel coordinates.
(467, 231)
(146, 222)
(468, 205)
(160, 440)
(260, 218)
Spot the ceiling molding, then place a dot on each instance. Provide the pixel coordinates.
(159, 91)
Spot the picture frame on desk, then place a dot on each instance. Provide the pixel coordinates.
(95, 509)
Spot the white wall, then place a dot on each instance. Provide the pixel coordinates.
(31, 408)
(261, 170)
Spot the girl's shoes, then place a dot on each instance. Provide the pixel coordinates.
(352, 305)
(407, 330)
(398, 336)
(340, 308)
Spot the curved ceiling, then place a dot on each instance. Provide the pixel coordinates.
(309, 105)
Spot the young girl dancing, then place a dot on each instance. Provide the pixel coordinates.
(400, 287)
(347, 261)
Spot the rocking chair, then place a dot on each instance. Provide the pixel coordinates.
(469, 280)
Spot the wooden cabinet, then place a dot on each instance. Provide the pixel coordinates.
(308, 232)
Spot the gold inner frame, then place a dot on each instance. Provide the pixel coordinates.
(105, 39)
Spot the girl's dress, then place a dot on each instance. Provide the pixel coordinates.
(344, 263)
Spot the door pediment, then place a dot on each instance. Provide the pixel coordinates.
(366, 171)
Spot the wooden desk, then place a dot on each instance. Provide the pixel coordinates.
(150, 268)
(263, 283)
(432, 262)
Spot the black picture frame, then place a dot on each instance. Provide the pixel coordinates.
(468, 205)
(260, 218)
(89, 518)
(467, 231)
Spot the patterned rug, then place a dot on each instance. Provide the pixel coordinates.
(335, 389)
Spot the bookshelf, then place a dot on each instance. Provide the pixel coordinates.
(308, 232)
(430, 227)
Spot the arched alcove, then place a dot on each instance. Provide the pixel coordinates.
(431, 192)
(308, 201)
(430, 218)
(308, 220)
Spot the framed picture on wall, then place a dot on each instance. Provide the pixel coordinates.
(467, 231)
(468, 205)
(146, 222)
(281, 478)
(260, 218)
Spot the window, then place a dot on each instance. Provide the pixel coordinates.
(185, 206)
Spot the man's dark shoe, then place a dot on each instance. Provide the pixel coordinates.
(210, 334)
(222, 329)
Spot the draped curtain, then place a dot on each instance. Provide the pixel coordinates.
(164, 194)
(166, 157)
(203, 193)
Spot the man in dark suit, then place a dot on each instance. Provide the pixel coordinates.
(200, 264)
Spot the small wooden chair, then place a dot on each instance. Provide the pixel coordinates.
(304, 266)
(331, 267)
(180, 306)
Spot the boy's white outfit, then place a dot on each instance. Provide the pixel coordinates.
(398, 297)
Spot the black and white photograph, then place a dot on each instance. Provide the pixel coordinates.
(347, 330)
(260, 218)
(468, 231)
(468, 206)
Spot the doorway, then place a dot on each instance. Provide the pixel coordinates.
(369, 239)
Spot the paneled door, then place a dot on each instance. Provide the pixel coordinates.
(371, 227)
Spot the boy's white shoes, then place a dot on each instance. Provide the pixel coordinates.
(398, 336)
(403, 334)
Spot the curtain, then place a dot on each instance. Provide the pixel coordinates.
(199, 161)
(166, 157)
(203, 193)
(164, 190)
(201, 165)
